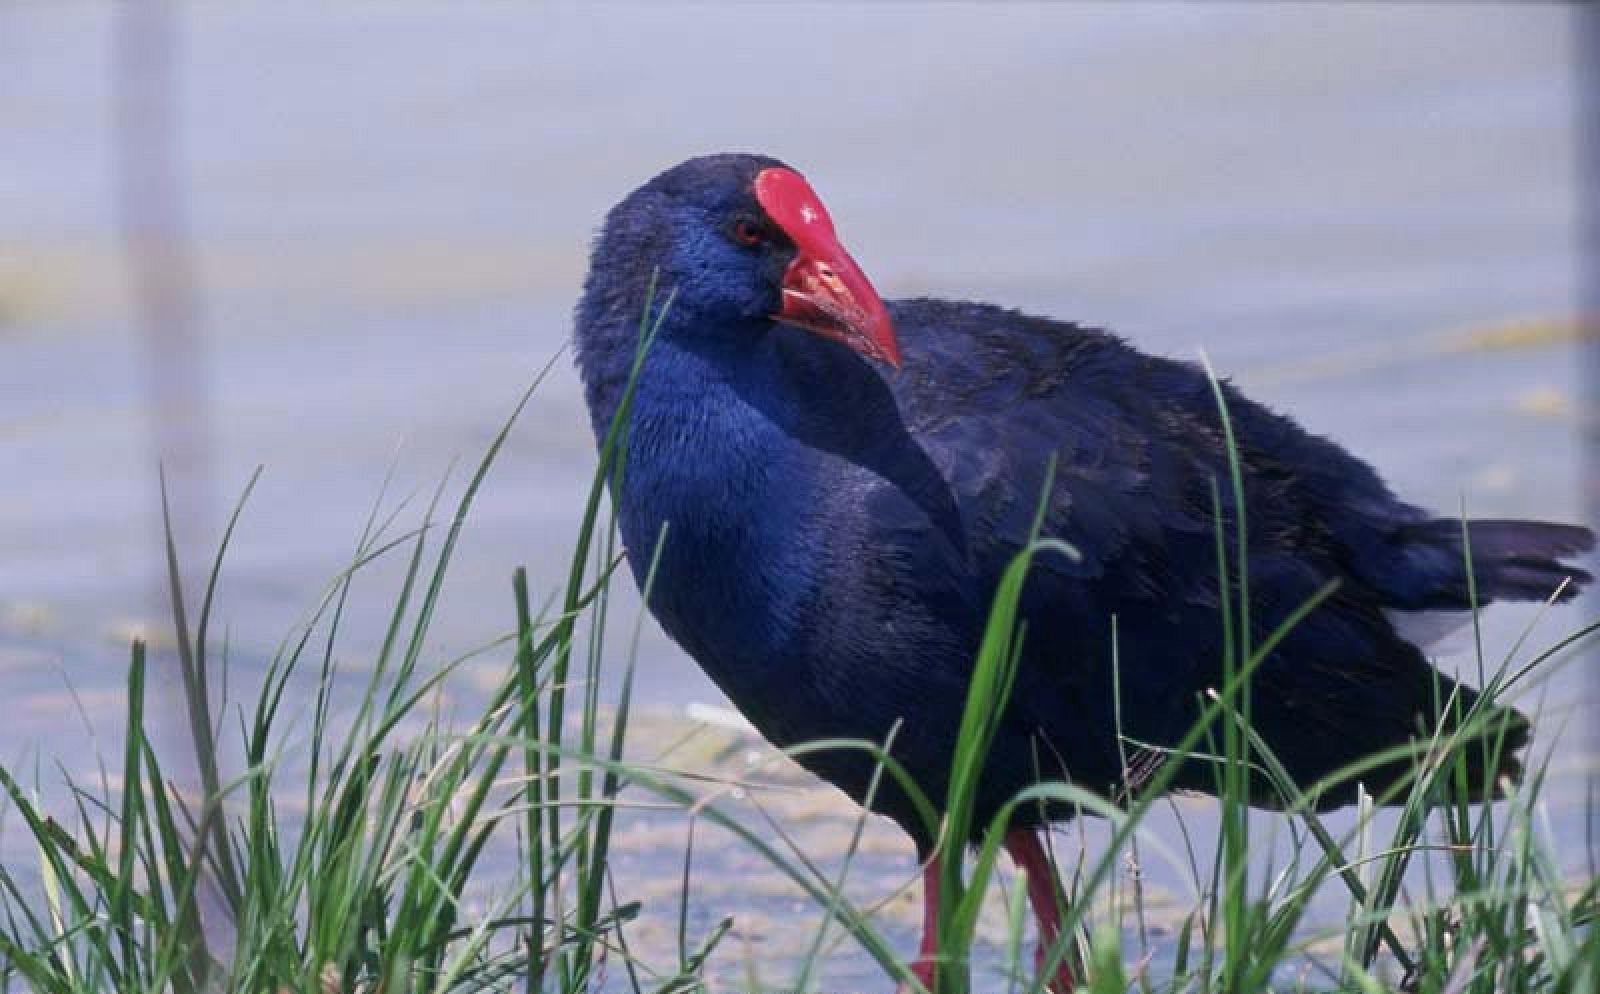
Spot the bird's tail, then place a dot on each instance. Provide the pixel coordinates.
(1511, 560)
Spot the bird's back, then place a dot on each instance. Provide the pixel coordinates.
(1141, 474)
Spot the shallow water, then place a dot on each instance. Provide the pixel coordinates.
(390, 207)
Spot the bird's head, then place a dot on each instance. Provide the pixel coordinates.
(741, 241)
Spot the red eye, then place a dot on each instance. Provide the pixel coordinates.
(746, 232)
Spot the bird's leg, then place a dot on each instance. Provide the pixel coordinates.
(1023, 845)
(922, 966)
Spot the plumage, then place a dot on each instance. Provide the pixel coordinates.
(838, 525)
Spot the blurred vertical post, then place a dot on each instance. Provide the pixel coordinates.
(155, 231)
(163, 292)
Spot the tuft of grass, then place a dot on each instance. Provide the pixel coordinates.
(381, 876)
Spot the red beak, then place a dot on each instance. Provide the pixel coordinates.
(824, 291)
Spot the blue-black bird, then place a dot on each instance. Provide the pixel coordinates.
(843, 480)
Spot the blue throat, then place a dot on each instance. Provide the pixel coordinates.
(713, 470)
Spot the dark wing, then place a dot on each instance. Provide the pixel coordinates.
(1142, 469)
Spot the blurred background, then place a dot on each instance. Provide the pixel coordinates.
(340, 241)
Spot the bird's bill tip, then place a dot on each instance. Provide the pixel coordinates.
(818, 297)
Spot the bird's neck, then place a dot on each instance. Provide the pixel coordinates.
(711, 471)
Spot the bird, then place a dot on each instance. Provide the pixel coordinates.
(831, 485)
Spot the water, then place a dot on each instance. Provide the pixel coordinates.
(390, 209)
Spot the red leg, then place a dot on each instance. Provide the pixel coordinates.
(1023, 845)
(922, 966)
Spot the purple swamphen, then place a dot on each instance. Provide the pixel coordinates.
(845, 479)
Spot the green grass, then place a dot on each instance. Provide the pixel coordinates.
(388, 872)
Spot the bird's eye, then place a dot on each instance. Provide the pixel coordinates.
(747, 232)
